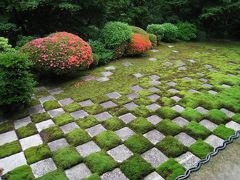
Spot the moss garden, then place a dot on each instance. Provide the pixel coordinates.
(133, 103)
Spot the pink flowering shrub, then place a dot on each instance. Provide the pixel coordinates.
(59, 53)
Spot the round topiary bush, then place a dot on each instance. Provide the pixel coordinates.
(156, 29)
(59, 53)
(139, 44)
(187, 31)
(170, 32)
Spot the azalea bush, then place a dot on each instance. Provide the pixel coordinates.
(139, 44)
(59, 53)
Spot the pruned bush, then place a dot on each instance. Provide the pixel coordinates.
(153, 39)
(186, 31)
(170, 32)
(139, 44)
(16, 82)
(138, 30)
(156, 29)
(5, 46)
(22, 40)
(59, 53)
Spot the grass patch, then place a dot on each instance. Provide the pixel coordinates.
(167, 113)
(66, 157)
(6, 126)
(113, 124)
(142, 111)
(170, 169)
(36, 118)
(9, 149)
(201, 149)
(138, 144)
(50, 105)
(197, 130)
(171, 147)
(236, 118)
(77, 136)
(26, 131)
(57, 174)
(100, 162)
(168, 127)
(223, 132)
(93, 177)
(72, 107)
(37, 153)
(51, 134)
(20, 173)
(107, 140)
(141, 125)
(63, 119)
(136, 167)
(217, 116)
(87, 122)
(192, 115)
(94, 109)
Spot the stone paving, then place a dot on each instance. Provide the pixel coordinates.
(118, 151)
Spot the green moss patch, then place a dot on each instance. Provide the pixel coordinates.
(6, 126)
(142, 111)
(66, 157)
(100, 162)
(171, 147)
(93, 177)
(192, 115)
(223, 132)
(57, 174)
(72, 107)
(9, 149)
(20, 173)
(236, 118)
(87, 122)
(26, 131)
(37, 153)
(136, 167)
(167, 113)
(51, 134)
(49, 105)
(168, 127)
(107, 140)
(170, 169)
(138, 144)
(94, 109)
(197, 130)
(141, 125)
(113, 124)
(217, 116)
(36, 118)
(201, 149)
(63, 119)
(77, 136)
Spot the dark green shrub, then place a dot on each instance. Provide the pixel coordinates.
(170, 32)
(156, 29)
(22, 40)
(115, 34)
(138, 30)
(186, 31)
(153, 39)
(16, 82)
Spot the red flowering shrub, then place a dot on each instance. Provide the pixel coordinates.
(59, 53)
(139, 44)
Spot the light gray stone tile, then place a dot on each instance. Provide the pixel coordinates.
(152, 59)
(174, 91)
(154, 77)
(46, 98)
(36, 109)
(153, 107)
(56, 112)
(212, 92)
(187, 78)
(136, 88)
(172, 84)
(88, 148)
(103, 116)
(154, 176)
(114, 95)
(58, 144)
(176, 98)
(22, 122)
(65, 102)
(43, 167)
(115, 174)
(132, 96)
(153, 89)
(208, 124)
(55, 91)
(154, 97)
(127, 64)
(138, 75)
(233, 125)
(7, 137)
(154, 157)
(95, 130)
(44, 125)
(154, 119)
(178, 108)
(226, 86)
(155, 82)
(187, 160)
(78, 172)
(127, 118)
(31, 141)
(102, 79)
(154, 50)
(193, 91)
(106, 73)
(130, 106)
(202, 110)
(110, 68)
(79, 114)
(181, 121)
(67, 128)
(207, 85)
(185, 139)
(88, 78)
(120, 153)
(86, 103)
(214, 141)
(108, 104)
(124, 133)
(154, 136)
(229, 114)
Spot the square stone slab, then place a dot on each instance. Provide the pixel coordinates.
(212, 92)
(132, 96)
(153, 176)
(106, 73)
(88, 78)
(69, 127)
(153, 89)
(187, 78)
(172, 84)
(7, 137)
(176, 98)
(31, 141)
(95, 130)
(192, 60)
(154, 77)
(102, 79)
(43, 167)
(154, 157)
(116, 174)
(168, 64)
(88, 148)
(178, 108)
(207, 85)
(154, 50)
(108, 104)
(41, 88)
(183, 68)
(154, 97)
(200, 74)
(11, 162)
(124, 133)
(57, 144)
(127, 64)
(46, 98)
(130, 106)
(229, 114)
(154, 119)
(203, 80)
(110, 68)
(153, 107)
(185, 139)
(193, 91)
(214, 141)
(56, 112)
(154, 136)
(226, 86)
(65, 102)
(36, 109)
(155, 82)
(22, 122)
(120, 153)
(138, 75)
(208, 124)
(103, 116)
(78, 172)
(44, 125)
(55, 91)
(127, 118)
(114, 95)
(187, 160)
(79, 114)
(174, 91)
(181, 121)
(152, 59)
(137, 88)
(86, 103)
(202, 110)
(233, 125)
